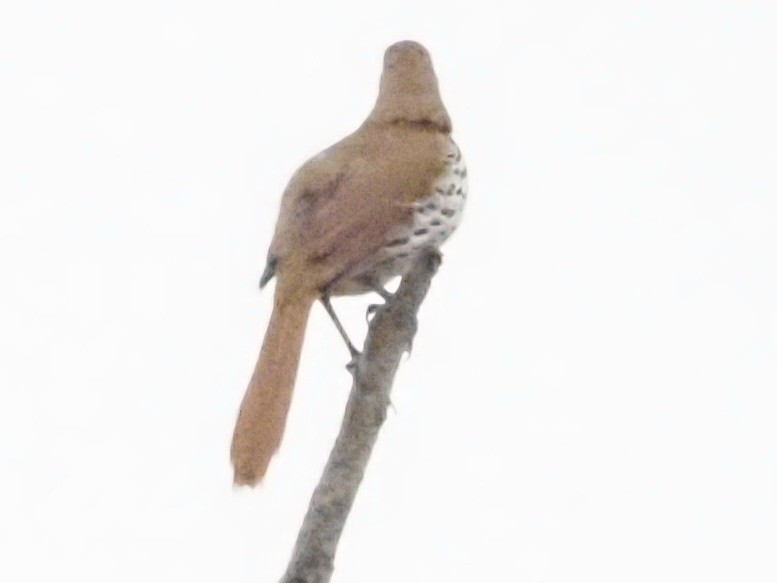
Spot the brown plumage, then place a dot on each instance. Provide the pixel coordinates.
(342, 218)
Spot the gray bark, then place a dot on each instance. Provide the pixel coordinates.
(390, 335)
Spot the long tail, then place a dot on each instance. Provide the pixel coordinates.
(265, 405)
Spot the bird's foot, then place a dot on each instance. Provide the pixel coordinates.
(371, 310)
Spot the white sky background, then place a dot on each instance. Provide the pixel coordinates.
(592, 392)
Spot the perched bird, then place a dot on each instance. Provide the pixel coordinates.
(351, 218)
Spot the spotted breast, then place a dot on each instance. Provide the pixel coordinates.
(435, 218)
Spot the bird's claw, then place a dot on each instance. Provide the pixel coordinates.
(371, 309)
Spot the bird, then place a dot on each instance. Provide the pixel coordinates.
(351, 218)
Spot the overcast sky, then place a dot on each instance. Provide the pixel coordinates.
(592, 392)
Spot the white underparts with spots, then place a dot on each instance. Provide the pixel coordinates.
(435, 217)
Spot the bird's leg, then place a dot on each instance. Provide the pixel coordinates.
(381, 291)
(330, 310)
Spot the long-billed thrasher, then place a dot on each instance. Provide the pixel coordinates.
(352, 217)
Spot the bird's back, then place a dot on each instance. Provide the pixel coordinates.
(343, 205)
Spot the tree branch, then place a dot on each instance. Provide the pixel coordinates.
(390, 334)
